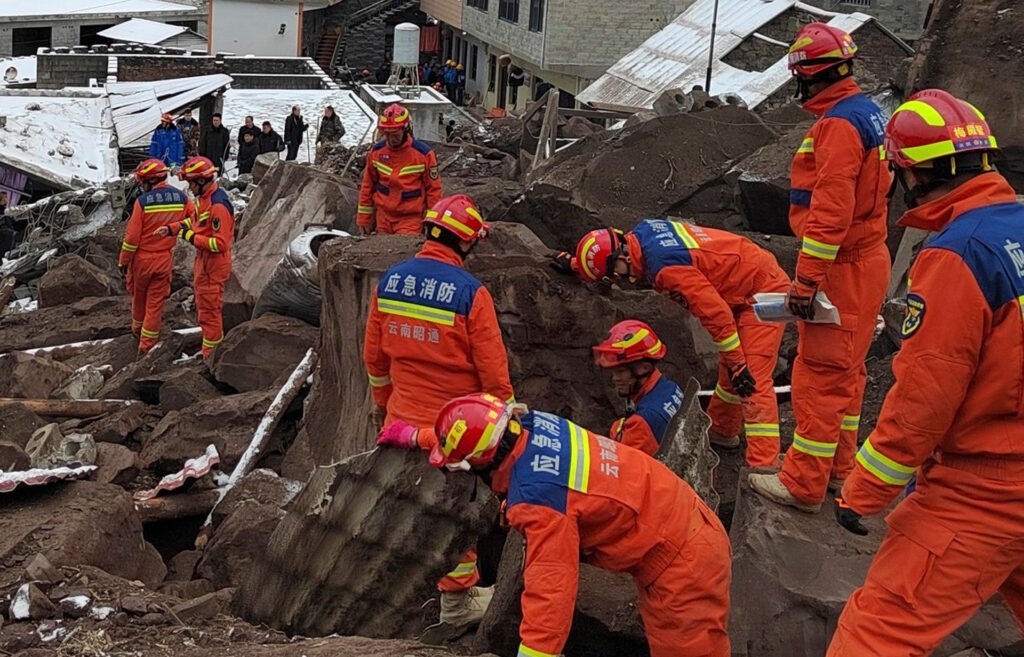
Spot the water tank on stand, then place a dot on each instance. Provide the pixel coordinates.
(407, 45)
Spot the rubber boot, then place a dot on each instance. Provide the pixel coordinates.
(835, 484)
(460, 611)
(725, 442)
(770, 486)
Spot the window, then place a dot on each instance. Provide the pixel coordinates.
(508, 10)
(536, 15)
(492, 71)
(477, 4)
(472, 63)
(464, 53)
(858, 3)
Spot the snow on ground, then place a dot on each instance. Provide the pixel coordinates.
(275, 104)
(16, 8)
(61, 139)
(24, 70)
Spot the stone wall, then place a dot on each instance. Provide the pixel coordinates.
(59, 71)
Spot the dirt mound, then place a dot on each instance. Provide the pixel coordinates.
(76, 523)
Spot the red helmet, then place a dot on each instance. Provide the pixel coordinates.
(166, 118)
(469, 429)
(934, 124)
(819, 47)
(151, 170)
(629, 341)
(458, 214)
(198, 168)
(596, 254)
(394, 117)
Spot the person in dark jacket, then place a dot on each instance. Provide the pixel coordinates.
(249, 127)
(294, 127)
(215, 142)
(270, 141)
(189, 133)
(167, 144)
(248, 149)
(460, 85)
(331, 127)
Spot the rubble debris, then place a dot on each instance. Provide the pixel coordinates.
(240, 540)
(549, 212)
(294, 287)
(191, 504)
(75, 606)
(22, 375)
(77, 523)
(255, 353)
(116, 464)
(83, 383)
(541, 314)
(194, 468)
(288, 199)
(39, 569)
(71, 278)
(803, 567)
(763, 183)
(74, 408)
(49, 449)
(30, 603)
(18, 423)
(261, 486)
(182, 566)
(203, 607)
(390, 511)
(119, 426)
(183, 387)
(264, 161)
(13, 457)
(686, 449)
(35, 477)
(126, 382)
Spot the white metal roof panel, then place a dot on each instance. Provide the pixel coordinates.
(140, 30)
(137, 106)
(677, 56)
(27, 8)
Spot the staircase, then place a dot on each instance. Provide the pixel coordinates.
(363, 20)
(325, 49)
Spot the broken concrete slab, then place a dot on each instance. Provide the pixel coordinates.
(800, 567)
(121, 425)
(77, 523)
(83, 383)
(225, 422)
(49, 449)
(71, 278)
(255, 353)
(17, 424)
(541, 311)
(13, 457)
(403, 521)
(116, 464)
(183, 387)
(31, 377)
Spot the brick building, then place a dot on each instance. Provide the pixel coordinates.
(906, 18)
(563, 43)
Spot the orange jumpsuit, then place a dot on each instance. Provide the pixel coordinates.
(648, 414)
(433, 335)
(578, 496)
(715, 274)
(212, 234)
(150, 259)
(956, 414)
(838, 209)
(399, 186)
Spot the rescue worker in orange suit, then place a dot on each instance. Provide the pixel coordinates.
(631, 353)
(147, 260)
(577, 496)
(401, 180)
(715, 274)
(955, 415)
(212, 234)
(838, 210)
(433, 331)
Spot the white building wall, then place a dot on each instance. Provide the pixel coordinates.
(252, 27)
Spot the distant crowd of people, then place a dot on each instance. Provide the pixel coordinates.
(173, 142)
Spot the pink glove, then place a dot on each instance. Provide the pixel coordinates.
(398, 434)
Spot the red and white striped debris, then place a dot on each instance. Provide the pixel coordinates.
(41, 476)
(193, 469)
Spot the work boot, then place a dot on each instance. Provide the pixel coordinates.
(460, 610)
(770, 486)
(725, 442)
(835, 484)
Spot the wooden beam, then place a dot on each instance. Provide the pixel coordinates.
(193, 504)
(72, 408)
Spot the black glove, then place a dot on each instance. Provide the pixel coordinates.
(800, 299)
(123, 270)
(742, 381)
(562, 262)
(848, 518)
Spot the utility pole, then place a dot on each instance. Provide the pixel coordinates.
(711, 49)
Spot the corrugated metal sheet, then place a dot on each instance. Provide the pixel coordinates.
(140, 30)
(677, 56)
(188, 40)
(136, 106)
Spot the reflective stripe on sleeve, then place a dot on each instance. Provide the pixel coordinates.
(807, 146)
(730, 343)
(130, 248)
(883, 467)
(383, 168)
(530, 652)
(365, 209)
(464, 569)
(213, 245)
(813, 447)
(851, 423)
(817, 249)
(379, 381)
(150, 334)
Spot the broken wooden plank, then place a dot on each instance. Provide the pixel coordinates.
(70, 408)
(193, 504)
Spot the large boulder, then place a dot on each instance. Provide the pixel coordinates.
(763, 182)
(30, 377)
(400, 521)
(74, 524)
(541, 315)
(227, 423)
(141, 379)
(17, 423)
(255, 353)
(121, 425)
(184, 387)
(70, 278)
(802, 568)
(288, 198)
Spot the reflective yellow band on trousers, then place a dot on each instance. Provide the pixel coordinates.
(813, 447)
(761, 430)
(726, 396)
